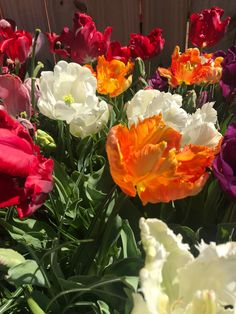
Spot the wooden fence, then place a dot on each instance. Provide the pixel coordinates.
(125, 16)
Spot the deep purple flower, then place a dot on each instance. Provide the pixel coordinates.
(158, 82)
(228, 82)
(224, 165)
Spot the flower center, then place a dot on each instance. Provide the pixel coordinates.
(68, 99)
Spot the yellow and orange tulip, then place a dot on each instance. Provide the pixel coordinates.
(114, 76)
(191, 67)
(147, 159)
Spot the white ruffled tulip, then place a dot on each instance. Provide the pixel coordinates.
(200, 127)
(69, 93)
(174, 282)
(197, 128)
(147, 103)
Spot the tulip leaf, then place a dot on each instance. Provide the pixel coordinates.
(130, 248)
(10, 258)
(103, 307)
(27, 272)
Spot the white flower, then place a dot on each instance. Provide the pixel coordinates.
(69, 93)
(197, 128)
(174, 282)
(200, 127)
(147, 103)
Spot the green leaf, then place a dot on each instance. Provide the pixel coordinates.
(10, 258)
(26, 273)
(125, 267)
(103, 307)
(34, 233)
(130, 248)
(61, 175)
(131, 282)
(226, 232)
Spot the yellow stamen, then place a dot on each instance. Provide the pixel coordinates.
(68, 99)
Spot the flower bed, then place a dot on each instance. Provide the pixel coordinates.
(94, 147)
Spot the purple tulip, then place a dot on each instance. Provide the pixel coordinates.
(228, 82)
(224, 165)
(158, 82)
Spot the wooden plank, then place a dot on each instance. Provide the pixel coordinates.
(171, 16)
(122, 15)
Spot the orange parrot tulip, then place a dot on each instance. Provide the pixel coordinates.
(147, 159)
(114, 76)
(191, 67)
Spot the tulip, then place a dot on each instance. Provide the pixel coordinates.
(206, 27)
(25, 175)
(228, 82)
(16, 44)
(224, 166)
(14, 95)
(69, 93)
(83, 44)
(148, 46)
(197, 128)
(191, 67)
(114, 76)
(147, 159)
(173, 281)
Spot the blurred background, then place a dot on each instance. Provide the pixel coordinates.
(125, 17)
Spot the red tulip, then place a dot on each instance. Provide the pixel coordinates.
(148, 46)
(206, 27)
(83, 44)
(118, 52)
(15, 44)
(25, 175)
(89, 44)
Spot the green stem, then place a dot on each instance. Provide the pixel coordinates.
(34, 307)
(32, 64)
(33, 79)
(69, 147)
(9, 302)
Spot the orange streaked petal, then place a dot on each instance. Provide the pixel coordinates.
(168, 190)
(191, 67)
(116, 159)
(147, 159)
(114, 76)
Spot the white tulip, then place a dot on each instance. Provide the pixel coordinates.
(147, 103)
(173, 281)
(69, 93)
(200, 127)
(197, 128)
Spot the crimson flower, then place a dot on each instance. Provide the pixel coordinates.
(83, 44)
(15, 44)
(25, 175)
(206, 27)
(118, 52)
(148, 46)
